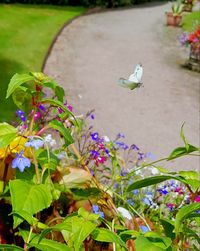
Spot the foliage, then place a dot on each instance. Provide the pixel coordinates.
(191, 21)
(177, 7)
(65, 187)
(26, 33)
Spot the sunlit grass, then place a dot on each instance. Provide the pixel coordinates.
(190, 21)
(26, 32)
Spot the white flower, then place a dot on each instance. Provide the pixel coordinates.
(124, 212)
(106, 139)
(48, 139)
(154, 171)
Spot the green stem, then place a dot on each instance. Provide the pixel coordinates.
(28, 239)
(133, 209)
(36, 167)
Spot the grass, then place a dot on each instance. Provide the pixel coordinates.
(26, 32)
(190, 21)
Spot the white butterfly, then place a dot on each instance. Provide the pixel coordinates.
(134, 80)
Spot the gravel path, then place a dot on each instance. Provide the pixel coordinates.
(95, 50)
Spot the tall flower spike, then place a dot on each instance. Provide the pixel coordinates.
(20, 162)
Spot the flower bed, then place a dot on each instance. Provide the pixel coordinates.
(193, 41)
(66, 187)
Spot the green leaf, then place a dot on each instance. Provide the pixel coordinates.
(10, 247)
(168, 226)
(57, 125)
(86, 193)
(16, 81)
(181, 151)
(191, 178)
(52, 161)
(157, 240)
(59, 91)
(105, 235)
(149, 181)
(183, 213)
(81, 229)
(44, 244)
(7, 134)
(28, 197)
(22, 99)
(183, 138)
(24, 215)
(58, 104)
(142, 243)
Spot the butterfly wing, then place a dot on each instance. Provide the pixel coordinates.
(137, 75)
(128, 84)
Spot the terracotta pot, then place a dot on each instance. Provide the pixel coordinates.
(173, 20)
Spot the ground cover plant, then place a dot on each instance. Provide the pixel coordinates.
(191, 21)
(65, 187)
(26, 33)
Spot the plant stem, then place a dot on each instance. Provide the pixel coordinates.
(36, 167)
(28, 239)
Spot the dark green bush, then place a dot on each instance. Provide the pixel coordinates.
(106, 3)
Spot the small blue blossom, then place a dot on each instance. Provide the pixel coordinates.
(150, 155)
(95, 136)
(121, 145)
(95, 209)
(149, 194)
(35, 143)
(135, 192)
(21, 162)
(130, 202)
(123, 173)
(146, 201)
(144, 229)
(116, 185)
(120, 135)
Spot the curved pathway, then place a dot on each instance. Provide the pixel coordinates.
(95, 50)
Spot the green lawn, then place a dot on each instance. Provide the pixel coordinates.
(190, 21)
(26, 32)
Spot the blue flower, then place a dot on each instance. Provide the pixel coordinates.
(95, 209)
(140, 156)
(146, 201)
(41, 107)
(21, 162)
(144, 229)
(121, 145)
(130, 202)
(135, 192)
(92, 116)
(35, 143)
(120, 135)
(95, 136)
(150, 156)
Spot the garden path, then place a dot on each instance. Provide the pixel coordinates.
(95, 50)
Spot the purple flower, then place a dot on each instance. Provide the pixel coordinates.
(150, 156)
(123, 173)
(41, 107)
(121, 145)
(144, 229)
(95, 136)
(21, 162)
(35, 143)
(183, 38)
(134, 147)
(20, 114)
(140, 156)
(94, 153)
(92, 116)
(120, 135)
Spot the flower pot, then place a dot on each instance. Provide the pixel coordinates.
(173, 20)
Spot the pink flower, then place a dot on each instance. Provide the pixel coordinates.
(197, 199)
